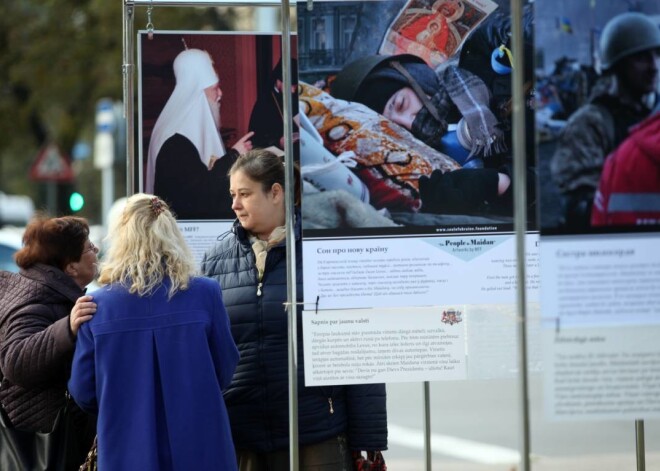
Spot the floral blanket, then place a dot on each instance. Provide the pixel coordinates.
(389, 159)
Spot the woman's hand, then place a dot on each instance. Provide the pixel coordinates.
(82, 311)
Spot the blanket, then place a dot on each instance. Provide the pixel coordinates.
(389, 159)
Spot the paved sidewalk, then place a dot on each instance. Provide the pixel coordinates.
(578, 463)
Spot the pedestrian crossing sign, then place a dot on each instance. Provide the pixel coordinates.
(51, 165)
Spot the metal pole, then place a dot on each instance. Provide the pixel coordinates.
(107, 191)
(51, 198)
(639, 438)
(129, 96)
(520, 220)
(427, 425)
(292, 308)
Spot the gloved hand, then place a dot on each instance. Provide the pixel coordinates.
(462, 191)
(373, 462)
(504, 204)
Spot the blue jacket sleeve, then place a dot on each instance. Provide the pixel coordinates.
(224, 351)
(367, 417)
(82, 384)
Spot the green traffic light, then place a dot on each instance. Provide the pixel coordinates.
(76, 201)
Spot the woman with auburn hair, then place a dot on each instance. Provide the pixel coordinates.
(153, 364)
(42, 309)
(336, 423)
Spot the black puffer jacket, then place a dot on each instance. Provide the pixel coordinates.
(36, 344)
(257, 399)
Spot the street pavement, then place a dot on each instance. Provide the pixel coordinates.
(583, 463)
(475, 427)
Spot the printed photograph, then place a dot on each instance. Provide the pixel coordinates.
(433, 30)
(204, 99)
(394, 143)
(597, 116)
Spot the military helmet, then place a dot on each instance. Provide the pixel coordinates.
(346, 85)
(627, 34)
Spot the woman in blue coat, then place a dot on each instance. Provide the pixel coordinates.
(155, 358)
(334, 422)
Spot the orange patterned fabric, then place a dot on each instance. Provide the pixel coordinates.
(390, 160)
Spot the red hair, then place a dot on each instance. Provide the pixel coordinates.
(53, 241)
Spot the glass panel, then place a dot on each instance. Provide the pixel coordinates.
(599, 334)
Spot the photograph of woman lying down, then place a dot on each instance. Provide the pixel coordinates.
(390, 141)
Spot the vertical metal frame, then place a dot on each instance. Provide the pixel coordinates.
(640, 453)
(428, 455)
(289, 179)
(520, 222)
(128, 70)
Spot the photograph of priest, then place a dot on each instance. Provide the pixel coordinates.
(187, 162)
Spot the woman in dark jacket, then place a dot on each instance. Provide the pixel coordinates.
(41, 311)
(250, 265)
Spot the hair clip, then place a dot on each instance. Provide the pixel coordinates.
(157, 205)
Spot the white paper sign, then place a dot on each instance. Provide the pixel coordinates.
(602, 373)
(604, 280)
(384, 345)
(203, 235)
(420, 271)
(600, 308)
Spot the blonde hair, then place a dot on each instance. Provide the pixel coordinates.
(146, 246)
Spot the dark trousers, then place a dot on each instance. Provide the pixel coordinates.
(330, 455)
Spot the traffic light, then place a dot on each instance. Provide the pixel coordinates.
(62, 204)
(76, 202)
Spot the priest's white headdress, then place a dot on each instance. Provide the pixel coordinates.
(187, 112)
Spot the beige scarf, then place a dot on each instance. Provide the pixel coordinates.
(261, 247)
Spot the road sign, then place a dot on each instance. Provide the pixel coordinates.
(104, 141)
(51, 166)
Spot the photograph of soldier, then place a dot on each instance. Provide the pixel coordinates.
(628, 193)
(623, 94)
